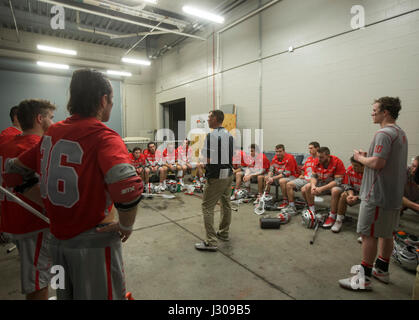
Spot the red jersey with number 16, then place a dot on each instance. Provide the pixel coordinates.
(14, 218)
(73, 158)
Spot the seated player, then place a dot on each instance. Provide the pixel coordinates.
(8, 133)
(138, 161)
(185, 163)
(154, 166)
(293, 185)
(283, 165)
(170, 158)
(239, 166)
(328, 172)
(411, 190)
(350, 196)
(257, 164)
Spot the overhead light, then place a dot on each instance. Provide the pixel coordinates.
(136, 61)
(119, 73)
(203, 14)
(52, 65)
(151, 1)
(56, 50)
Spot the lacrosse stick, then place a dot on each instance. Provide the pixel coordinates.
(260, 208)
(24, 204)
(11, 249)
(165, 196)
(318, 222)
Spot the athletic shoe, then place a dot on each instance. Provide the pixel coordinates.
(337, 226)
(292, 211)
(329, 222)
(359, 239)
(233, 197)
(381, 275)
(359, 282)
(223, 238)
(203, 246)
(283, 205)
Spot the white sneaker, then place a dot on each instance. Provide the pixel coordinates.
(359, 282)
(233, 197)
(381, 275)
(359, 239)
(337, 226)
(291, 210)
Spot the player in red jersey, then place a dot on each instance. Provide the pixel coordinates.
(292, 185)
(154, 166)
(328, 172)
(257, 163)
(350, 192)
(29, 233)
(84, 166)
(283, 165)
(170, 158)
(138, 161)
(239, 166)
(185, 163)
(10, 132)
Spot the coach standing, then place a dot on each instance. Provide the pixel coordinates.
(381, 194)
(218, 156)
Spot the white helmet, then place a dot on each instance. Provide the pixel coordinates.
(284, 217)
(406, 256)
(309, 219)
(241, 194)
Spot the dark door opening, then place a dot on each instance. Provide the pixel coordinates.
(173, 112)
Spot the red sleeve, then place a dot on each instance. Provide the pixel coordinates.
(113, 152)
(266, 163)
(340, 168)
(31, 157)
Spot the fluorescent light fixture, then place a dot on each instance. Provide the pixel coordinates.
(136, 61)
(119, 73)
(151, 1)
(203, 14)
(56, 50)
(52, 65)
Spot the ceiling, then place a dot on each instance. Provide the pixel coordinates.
(124, 24)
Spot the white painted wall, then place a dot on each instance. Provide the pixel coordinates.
(139, 110)
(322, 91)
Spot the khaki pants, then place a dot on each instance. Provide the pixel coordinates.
(214, 190)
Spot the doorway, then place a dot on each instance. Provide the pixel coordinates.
(173, 112)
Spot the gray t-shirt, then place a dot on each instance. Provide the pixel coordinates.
(384, 188)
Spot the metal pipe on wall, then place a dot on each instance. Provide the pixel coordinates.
(65, 5)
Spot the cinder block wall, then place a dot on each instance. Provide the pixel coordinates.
(322, 91)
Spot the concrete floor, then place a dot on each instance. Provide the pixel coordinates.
(161, 262)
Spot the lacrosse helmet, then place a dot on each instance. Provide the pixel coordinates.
(309, 219)
(241, 194)
(283, 217)
(172, 187)
(405, 256)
